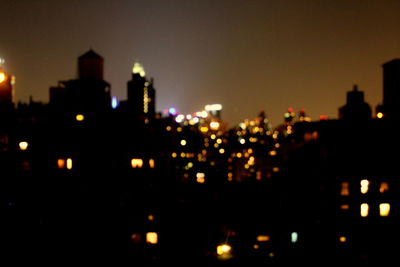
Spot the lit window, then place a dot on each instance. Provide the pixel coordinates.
(224, 250)
(200, 177)
(23, 145)
(342, 239)
(80, 117)
(344, 191)
(214, 125)
(152, 163)
(152, 238)
(64, 163)
(251, 161)
(384, 209)
(294, 237)
(150, 217)
(364, 186)
(230, 176)
(263, 238)
(61, 163)
(364, 210)
(344, 207)
(69, 163)
(384, 187)
(275, 169)
(204, 129)
(146, 100)
(137, 163)
(272, 153)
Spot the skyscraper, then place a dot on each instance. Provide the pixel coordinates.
(391, 89)
(141, 94)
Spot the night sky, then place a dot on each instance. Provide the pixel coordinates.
(247, 55)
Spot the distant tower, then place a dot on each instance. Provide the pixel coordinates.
(356, 108)
(141, 94)
(89, 93)
(391, 89)
(6, 89)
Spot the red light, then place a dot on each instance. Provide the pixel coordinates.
(323, 117)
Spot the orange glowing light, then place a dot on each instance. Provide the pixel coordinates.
(2, 77)
(61, 163)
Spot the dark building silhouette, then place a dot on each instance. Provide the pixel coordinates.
(391, 89)
(356, 108)
(183, 189)
(141, 94)
(87, 94)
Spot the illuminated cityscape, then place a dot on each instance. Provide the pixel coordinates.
(91, 178)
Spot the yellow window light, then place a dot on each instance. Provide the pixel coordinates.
(137, 163)
(2, 77)
(152, 238)
(23, 145)
(80, 117)
(384, 209)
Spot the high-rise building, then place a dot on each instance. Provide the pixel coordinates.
(391, 89)
(89, 93)
(141, 93)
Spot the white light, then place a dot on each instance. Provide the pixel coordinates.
(364, 210)
(183, 142)
(364, 186)
(69, 163)
(114, 102)
(384, 209)
(294, 237)
(180, 118)
(213, 107)
(138, 69)
(23, 145)
(214, 125)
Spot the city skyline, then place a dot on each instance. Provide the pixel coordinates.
(301, 55)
